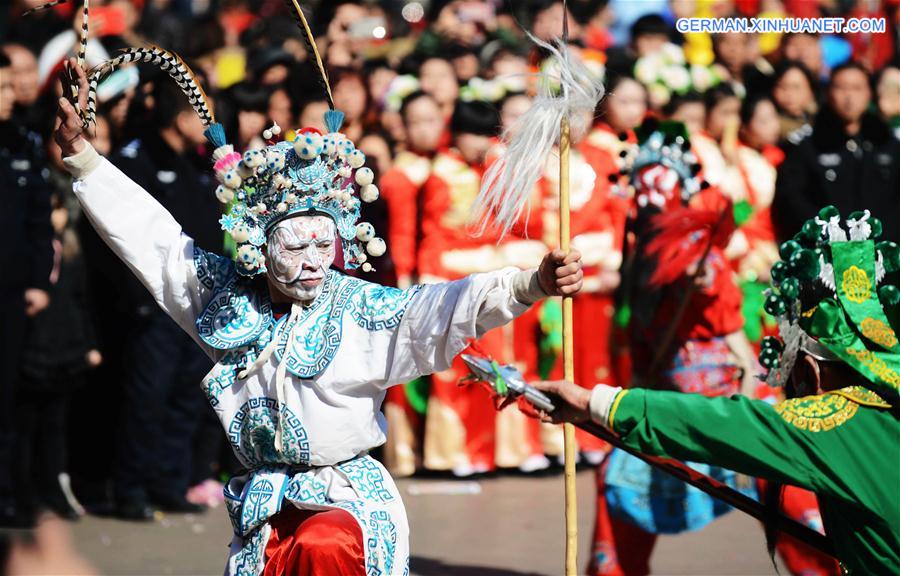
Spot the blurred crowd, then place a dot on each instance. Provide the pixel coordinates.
(102, 407)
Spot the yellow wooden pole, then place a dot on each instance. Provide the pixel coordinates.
(568, 351)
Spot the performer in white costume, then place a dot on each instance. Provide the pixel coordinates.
(303, 352)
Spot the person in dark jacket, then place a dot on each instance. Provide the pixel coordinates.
(849, 159)
(60, 349)
(160, 364)
(25, 263)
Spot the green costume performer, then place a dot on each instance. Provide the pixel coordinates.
(837, 321)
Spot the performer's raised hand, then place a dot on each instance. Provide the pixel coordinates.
(69, 128)
(571, 400)
(560, 273)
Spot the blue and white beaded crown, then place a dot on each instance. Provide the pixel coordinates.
(314, 174)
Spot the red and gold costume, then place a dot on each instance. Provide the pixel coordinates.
(401, 187)
(463, 432)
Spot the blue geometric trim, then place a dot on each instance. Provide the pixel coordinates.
(236, 315)
(252, 434)
(381, 543)
(212, 270)
(319, 327)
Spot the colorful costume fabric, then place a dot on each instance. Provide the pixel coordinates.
(841, 445)
(834, 307)
(401, 187)
(305, 442)
(463, 431)
(697, 359)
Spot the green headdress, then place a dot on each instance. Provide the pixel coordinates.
(830, 301)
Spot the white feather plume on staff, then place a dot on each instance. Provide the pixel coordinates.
(508, 184)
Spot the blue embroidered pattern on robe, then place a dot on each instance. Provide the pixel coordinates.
(236, 315)
(381, 541)
(381, 536)
(318, 336)
(367, 478)
(376, 307)
(252, 434)
(308, 489)
(212, 270)
(249, 561)
(252, 500)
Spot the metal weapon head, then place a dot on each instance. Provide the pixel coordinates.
(491, 372)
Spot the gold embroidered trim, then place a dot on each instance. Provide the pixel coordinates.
(878, 366)
(817, 413)
(862, 396)
(878, 332)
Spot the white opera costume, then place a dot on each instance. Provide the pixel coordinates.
(299, 396)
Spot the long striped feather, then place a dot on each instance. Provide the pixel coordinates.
(311, 46)
(168, 62)
(43, 7)
(82, 47)
(82, 51)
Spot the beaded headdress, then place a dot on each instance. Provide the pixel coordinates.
(660, 144)
(832, 301)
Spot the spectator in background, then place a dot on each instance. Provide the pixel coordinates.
(547, 24)
(281, 108)
(687, 109)
(438, 78)
(269, 66)
(24, 73)
(511, 108)
(734, 51)
(60, 350)
(379, 75)
(849, 160)
(464, 60)
(794, 93)
(312, 113)
(649, 33)
(163, 364)
(804, 47)
(26, 265)
(249, 104)
(351, 98)
(424, 126)
(888, 94)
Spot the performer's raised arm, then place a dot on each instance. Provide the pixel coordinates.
(134, 225)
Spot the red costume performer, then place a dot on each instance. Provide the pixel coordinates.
(401, 187)
(463, 432)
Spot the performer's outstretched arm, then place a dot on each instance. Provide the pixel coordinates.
(748, 436)
(443, 318)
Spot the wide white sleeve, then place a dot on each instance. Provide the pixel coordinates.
(143, 234)
(442, 319)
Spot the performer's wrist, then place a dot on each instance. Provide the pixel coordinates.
(603, 400)
(82, 163)
(526, 287)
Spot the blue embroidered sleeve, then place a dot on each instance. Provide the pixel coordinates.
(375, 307)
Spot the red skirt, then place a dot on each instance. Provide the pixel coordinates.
(307, 543)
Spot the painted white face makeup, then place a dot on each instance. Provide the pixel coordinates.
(299, 252)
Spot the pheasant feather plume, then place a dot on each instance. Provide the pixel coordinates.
(166, 61)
